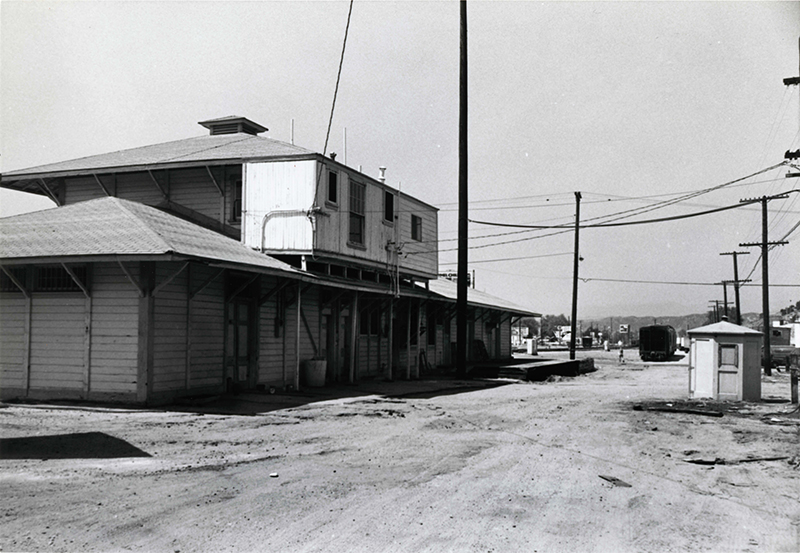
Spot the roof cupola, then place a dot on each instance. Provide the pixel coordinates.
(232, 124)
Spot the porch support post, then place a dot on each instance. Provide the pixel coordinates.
(353, 338)
(389, 343)
(188, 345)
(297, 339)
(26, 352)
(408, 340)
(145, 356)
(419, 337)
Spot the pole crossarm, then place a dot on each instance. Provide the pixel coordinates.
(761, 244)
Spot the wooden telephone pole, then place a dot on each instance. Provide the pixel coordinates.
(463, 213)
(576, 260)
(765, 244)
(736, 283)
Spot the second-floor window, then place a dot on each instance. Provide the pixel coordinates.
(388, 206)
(333, 187)
(236, 205)
(357, 210)
(416, 228)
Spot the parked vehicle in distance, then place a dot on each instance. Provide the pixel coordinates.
(657, 342)
(780, 346)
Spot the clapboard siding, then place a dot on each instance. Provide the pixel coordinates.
(58, 331)
(169, 337)
(115, 327)
(505, 339)
(139, 187)
(194, 189)
(206, 330)
(13, 307)
(81, 189)
(270, 346)
(420, 255)
(310, 302)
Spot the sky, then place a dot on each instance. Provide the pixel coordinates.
(629, 103)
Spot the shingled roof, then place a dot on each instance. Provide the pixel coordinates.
(120, 228)
(236, 147)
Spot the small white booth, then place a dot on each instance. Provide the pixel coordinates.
(725, 362)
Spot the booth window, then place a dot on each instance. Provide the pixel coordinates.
(729, 355)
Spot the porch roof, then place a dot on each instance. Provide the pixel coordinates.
(112, 227)
(448, 290)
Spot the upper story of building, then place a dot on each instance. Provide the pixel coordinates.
(281, 199)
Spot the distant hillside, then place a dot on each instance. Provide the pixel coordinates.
(680, 324)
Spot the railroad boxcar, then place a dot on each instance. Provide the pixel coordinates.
(657, 342)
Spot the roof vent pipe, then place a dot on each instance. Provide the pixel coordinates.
(382, 176)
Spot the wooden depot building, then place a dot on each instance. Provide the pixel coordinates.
(222, 262)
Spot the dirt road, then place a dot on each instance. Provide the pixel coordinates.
(516, 467)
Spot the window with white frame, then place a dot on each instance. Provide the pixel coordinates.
(358, 193)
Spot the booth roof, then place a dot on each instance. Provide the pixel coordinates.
(723, 327)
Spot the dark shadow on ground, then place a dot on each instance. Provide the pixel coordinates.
(251, 403)
(87, 445)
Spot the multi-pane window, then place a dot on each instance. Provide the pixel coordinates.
(333, 187)
(358, 194)
(388, 206)
(57, 279)
(416, 228)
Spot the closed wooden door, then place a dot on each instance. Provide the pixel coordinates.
(728, 376)
(239, 349)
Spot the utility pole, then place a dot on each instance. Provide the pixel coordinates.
(725, 297)
(736, 283)
(577, 257)
(463, 212)
(765, 244)
(714, 305)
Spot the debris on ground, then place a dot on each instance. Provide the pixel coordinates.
(721, 461)
(667, 409)
(616, 481)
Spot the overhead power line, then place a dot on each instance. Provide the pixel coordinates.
(658, 205)
(619, 224)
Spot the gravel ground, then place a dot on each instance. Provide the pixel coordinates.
(562, 465)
